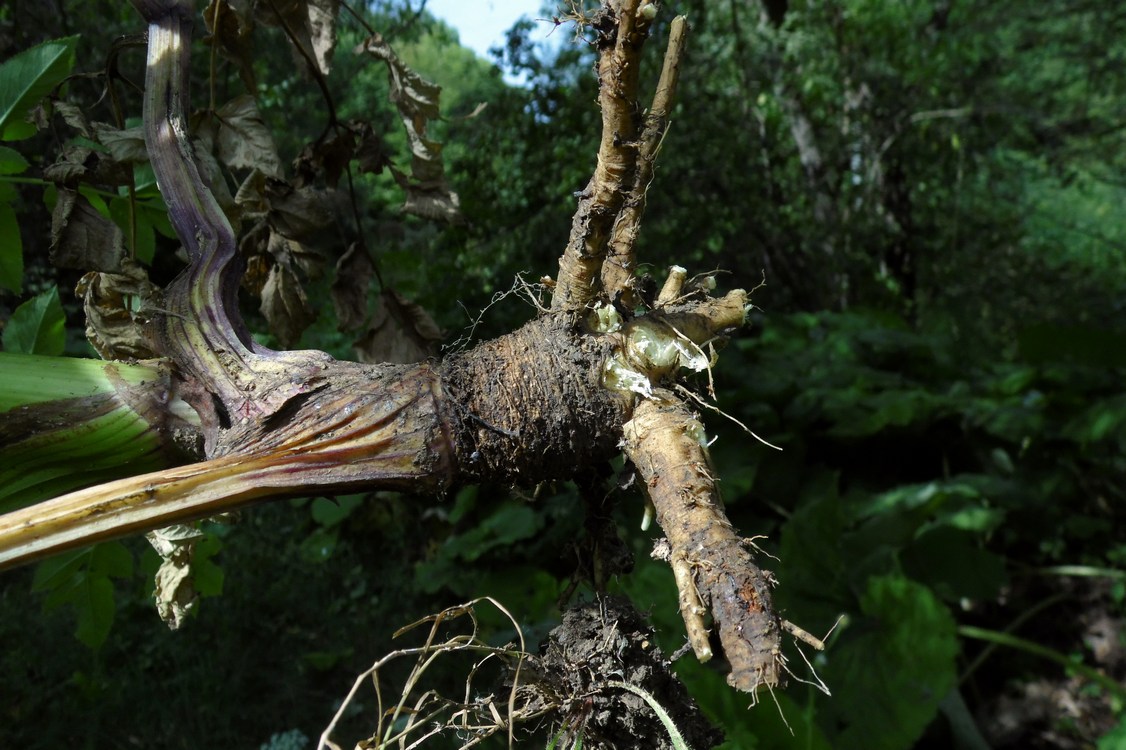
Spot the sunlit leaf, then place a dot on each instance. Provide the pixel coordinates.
(312, 23)
(28, 77)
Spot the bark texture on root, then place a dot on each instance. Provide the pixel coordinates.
(713, 569)
(530, 406)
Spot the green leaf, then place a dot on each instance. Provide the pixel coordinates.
(319, 546)
(82, 580)
(28, 77)
(111, 559)
(1105, 418)
(96, 608)
(329, 512)
(11, 250)
(208, 576)
(12, 161)
(144, 242)
(96, 200)
(812, 565)
(36, 327)
(58, 570)
(954, 565)
(1115, 739)
(897, 664)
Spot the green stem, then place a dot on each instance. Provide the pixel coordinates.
(1022, 618)
(68, 423)
(1021, 644)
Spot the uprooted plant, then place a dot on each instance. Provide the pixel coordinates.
(594, 374)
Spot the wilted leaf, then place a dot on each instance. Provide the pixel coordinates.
(312, 22)
(251, 195)
(37, 326)
(203, 142)
(428, 191)
(292, 253)
(297, 213)
(401, 331)
(285, 306)
(126, 146)
(350, 287)
(28, 77)
(233, 32)
(109, 300)
(74, 116)
(321, 15)
(434, 202)
(371, 153)
(83, 239)
(174, 592)
(73, 163)
(331, 154)
(244, 141)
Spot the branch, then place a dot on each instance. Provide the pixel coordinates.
(617, 270)
(712, 567)
(621, 33)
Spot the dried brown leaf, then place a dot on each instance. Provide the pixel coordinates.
(428, 191)
(174, 591)
(251, 195)
(233, 32)
(290, 252)
(312, 23)
(285, 305)
(331, 155)
(74, 162)
(109, 299)
(297, 213)
(83, 239)
(354, 271)
(126, 145)
(203, 144)
(243, 140)
(74, 116)
(401, 331)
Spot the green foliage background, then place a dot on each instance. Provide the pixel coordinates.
(939, 349)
